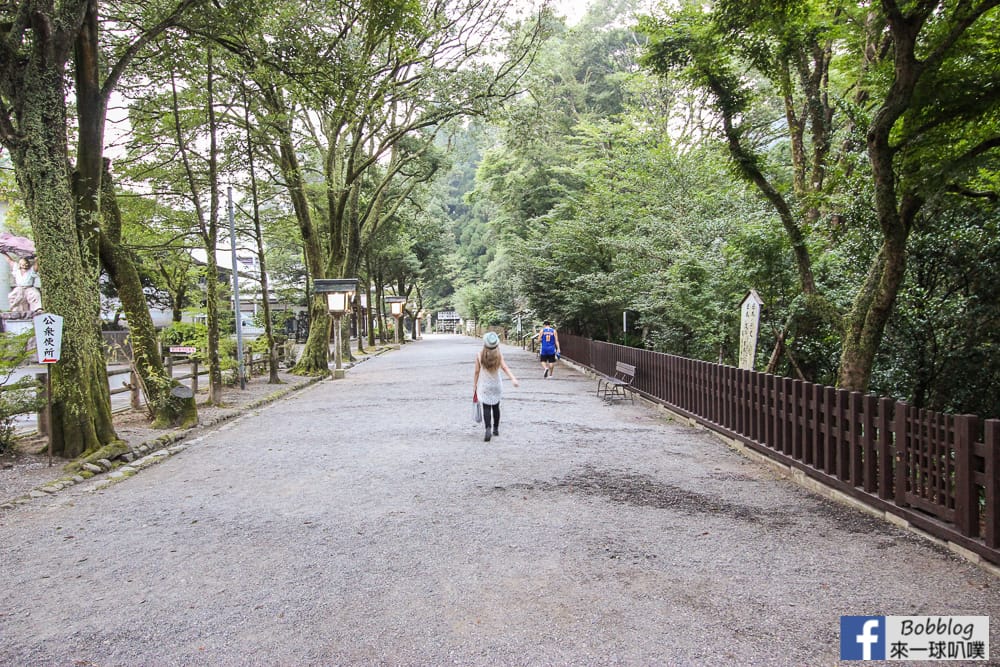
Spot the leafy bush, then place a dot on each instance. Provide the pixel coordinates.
(259, 345)
(185, 333)
(17, 398)
(196, 335)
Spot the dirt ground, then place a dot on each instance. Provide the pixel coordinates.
(367, 521)
(27, 466)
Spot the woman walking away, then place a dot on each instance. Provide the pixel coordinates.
(487, 382)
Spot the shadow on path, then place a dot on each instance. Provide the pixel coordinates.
(364, 521)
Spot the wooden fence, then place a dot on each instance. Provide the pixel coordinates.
(117, 346)
(938, 471)
(254, 364)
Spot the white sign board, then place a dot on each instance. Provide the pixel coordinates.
(48, 337)
(182, 349)
(749, 325)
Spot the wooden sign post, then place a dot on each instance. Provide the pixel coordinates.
(48, 343)
(749, 325)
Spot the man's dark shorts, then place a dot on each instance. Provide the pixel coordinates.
(547, 358)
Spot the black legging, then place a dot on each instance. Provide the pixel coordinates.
(491, 415)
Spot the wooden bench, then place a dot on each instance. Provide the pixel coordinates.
(618, 385)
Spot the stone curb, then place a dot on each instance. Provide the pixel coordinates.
(145, 454)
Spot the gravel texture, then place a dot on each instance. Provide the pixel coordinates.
(27, 467)
(364, 521)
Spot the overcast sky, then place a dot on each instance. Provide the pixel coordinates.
(573, 10)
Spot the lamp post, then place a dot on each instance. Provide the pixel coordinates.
(363, 304)
(396, 303)
(236, 295)
(339, 293)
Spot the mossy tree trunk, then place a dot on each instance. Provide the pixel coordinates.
(81, 418)
(896, 200)
(33, 128)
(99, 218)
(168, 409)
(64, 205)
(315, 359)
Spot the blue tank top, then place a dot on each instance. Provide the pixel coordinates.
(548, 339)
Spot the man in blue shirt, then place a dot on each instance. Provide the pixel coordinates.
(549, 349)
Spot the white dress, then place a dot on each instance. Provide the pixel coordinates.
(490, 388)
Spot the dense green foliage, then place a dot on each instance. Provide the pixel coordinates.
(17, 397)
(839, 158)
(666, 172)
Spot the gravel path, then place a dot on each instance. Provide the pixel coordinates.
(364, 521)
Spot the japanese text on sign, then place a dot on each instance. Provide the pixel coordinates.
(48, 337)
(749, 323)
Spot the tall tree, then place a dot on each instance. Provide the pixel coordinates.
(258, 236)
(914, 60)
(198, 179)
(935, 97)
(382, 79)
(39, 42)
(37, 47)
(787, 48)
(169, 408)
(184, 144)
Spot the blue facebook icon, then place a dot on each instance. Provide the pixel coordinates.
(862, 637)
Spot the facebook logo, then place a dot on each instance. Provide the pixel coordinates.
(862, 637)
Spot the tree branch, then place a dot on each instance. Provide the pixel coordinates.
(118, 69)
(973, 194)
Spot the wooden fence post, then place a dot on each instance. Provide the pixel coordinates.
(992, 471)
(757, 407)
(831, 424)
(135, 395)
(771, 414)
(194, 377)
(43, 413)
(678, 375)
(784, 423)
(739, 425)
(685, 384)
(726, 406)
(886, 449)
(760, 407)
(700, 371)
(798, 392)
(869, 461)
(966, 493)
(850, 464)
(902, 459)
(814, 403)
